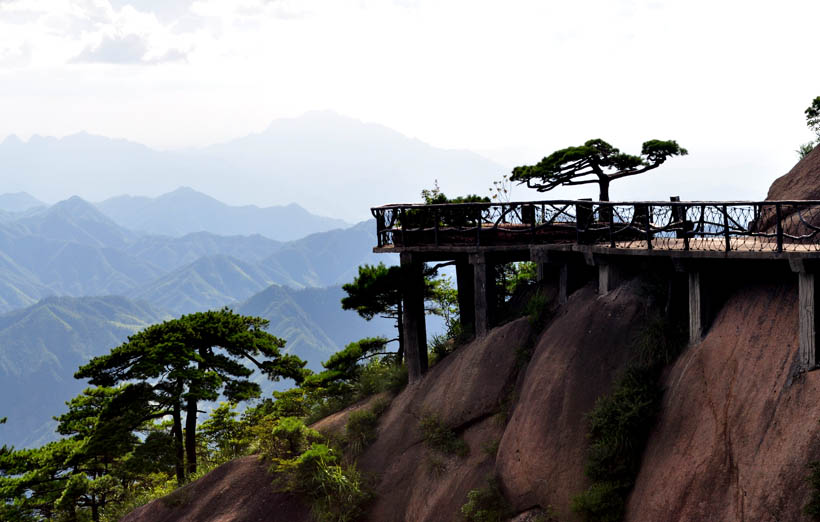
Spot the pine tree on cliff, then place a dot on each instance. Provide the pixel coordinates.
(196, 358)
(377, 291)
(813, 123)
(596, 161)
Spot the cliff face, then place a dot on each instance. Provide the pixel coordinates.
(738, 427)
(735, 434)
(801, 182)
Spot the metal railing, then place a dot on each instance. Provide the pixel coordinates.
(765, 226)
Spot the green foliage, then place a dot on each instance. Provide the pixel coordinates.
(360, 430)
(303, 464)
(603, 501)
(620, 423)
(183, 361)
(491, 447)
(537, 308)
(619, 426)
(813, 116)
(376, 290)
(222, 434)
(441, 438)
(487, 504)
(813, 507)
(813, 123)
(283, 439)
(804, 149)
(596, 161)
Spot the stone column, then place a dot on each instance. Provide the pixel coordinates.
(607, 277)
(483, 293)
(415, 334)
(807, 318)
(466, 294)
(808, 331)
(696, 308)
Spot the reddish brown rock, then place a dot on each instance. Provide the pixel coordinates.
(801, 182)
(542, 453)
(239, 491)
(465, 391)
(737, 428)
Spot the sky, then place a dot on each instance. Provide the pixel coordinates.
(512, 80)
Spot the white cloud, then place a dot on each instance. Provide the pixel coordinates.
(125, 50)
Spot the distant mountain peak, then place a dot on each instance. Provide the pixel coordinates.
(19, 202)
(12, 139)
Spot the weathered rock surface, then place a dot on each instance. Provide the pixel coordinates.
(239, 491)
(801, 182)
(541, 456)
(466, 391)
(737, 428)
(736, 432)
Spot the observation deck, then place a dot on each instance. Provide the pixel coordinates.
(708, 241)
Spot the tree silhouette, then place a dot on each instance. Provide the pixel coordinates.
(596, 161)
(195, 358)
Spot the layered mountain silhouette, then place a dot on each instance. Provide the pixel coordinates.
(41, 347)
(71, 249)
(331, 164)
(185, 210)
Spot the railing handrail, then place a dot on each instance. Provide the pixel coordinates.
(601, 203)
(770, 225)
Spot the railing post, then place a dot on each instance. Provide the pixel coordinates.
(677, 217)
(528, 218)
(583, 216)
(641, 217)
(403, 217)
(612, 226)
(688, 227)
(779, 228)
(478, 226)
(436, 216)
(726, 227)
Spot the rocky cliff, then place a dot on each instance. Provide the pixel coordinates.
(737, 427)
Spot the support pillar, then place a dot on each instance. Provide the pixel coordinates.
(484, 297)
(466, 295)
(806, 305)
(415, 334)
(696, 308)
(563, 283)
(808, 331)
(607, 278)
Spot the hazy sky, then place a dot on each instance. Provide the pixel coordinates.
(511, 79)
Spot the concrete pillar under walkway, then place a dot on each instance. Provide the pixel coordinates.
(466, 294)
(806, 310)
(415, 332)
(483, 293)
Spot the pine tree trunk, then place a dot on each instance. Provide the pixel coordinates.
(190, 436)
(605, 213)
(176, 430)
(400, 328)
(603, 185)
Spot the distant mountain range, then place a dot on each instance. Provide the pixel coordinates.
(331, 164)
(73, 249)
(185, 210)
(43, 345)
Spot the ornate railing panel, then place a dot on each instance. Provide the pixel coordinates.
(767, 226)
